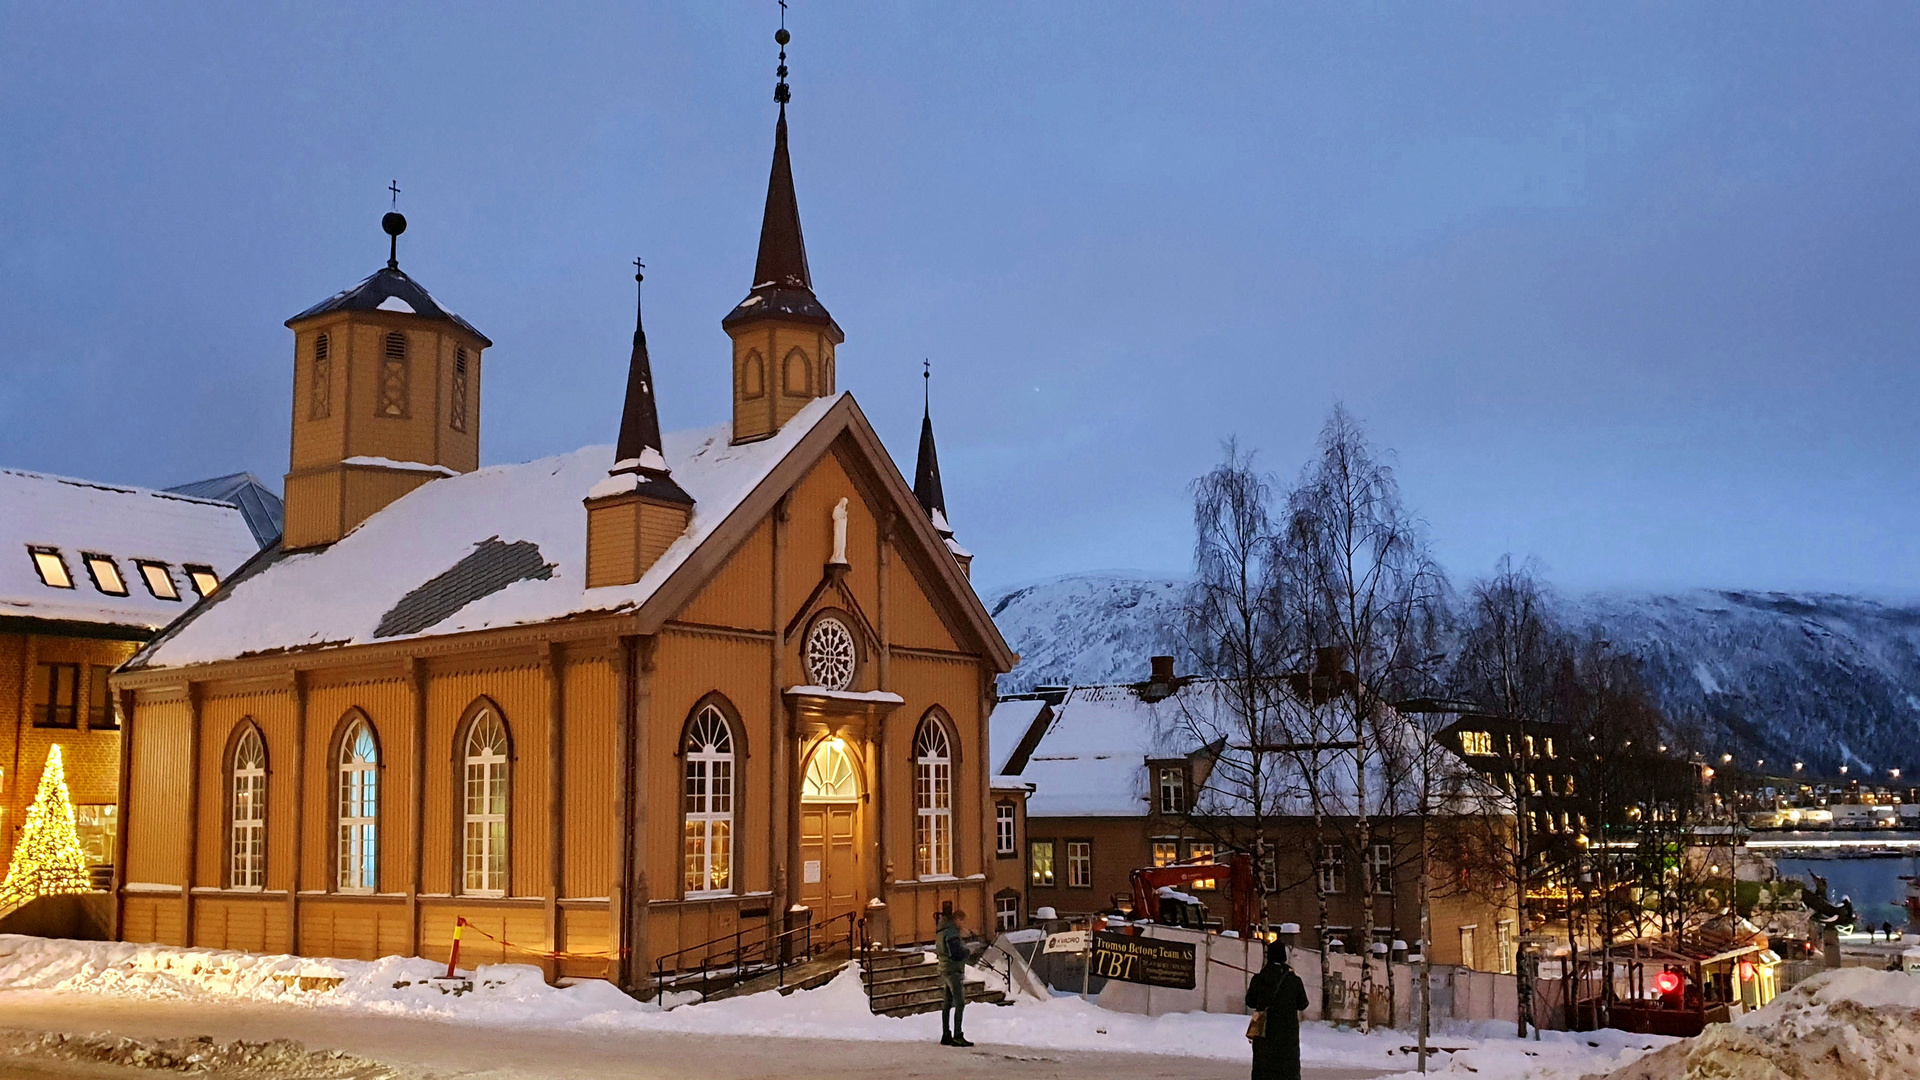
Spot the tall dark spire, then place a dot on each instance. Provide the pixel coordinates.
(640, 449)
(926, 471)
(782, 283)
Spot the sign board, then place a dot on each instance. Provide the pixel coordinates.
(1069, 941)
(810, 872)
(1143, 960)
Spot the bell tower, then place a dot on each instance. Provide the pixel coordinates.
(783, 338)
(386, 396)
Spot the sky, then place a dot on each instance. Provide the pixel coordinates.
(1628, 290)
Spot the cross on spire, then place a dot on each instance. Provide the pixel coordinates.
(394, 188)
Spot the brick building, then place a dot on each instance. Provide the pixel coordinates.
(88, 571)
(1131, 775)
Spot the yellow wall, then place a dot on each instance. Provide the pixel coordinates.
(91, 757)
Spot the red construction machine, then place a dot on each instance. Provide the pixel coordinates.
(1160, 896)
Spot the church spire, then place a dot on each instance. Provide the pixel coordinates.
(926, 471)
(639, 449)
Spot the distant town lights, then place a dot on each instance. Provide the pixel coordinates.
(1726, 759)
(1798, 765)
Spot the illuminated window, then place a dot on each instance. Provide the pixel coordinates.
(933, 800)
(1173, 791)
(51, 567)
(159, 581)
(97, 825)
(105, 573)
(1549, 745)
(1476, 743)
(320, 392)
(1333, 869)
(1040, 863)
(1530, 751)
(1003, 828)
(56, 695)
(247, 829)
(358, 841)
(709, 804)
(1080, 864)
(485, 837)
(1201, 853)
(394, 378)
(203, 578)
(1166, 852)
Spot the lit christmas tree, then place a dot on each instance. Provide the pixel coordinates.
(47, 859)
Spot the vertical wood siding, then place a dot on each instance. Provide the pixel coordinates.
(592, 694)
(736, 595)
(388, 705)
(521, 693)
(156, 827)
(687, 666)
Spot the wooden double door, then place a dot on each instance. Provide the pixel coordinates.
(831, 863)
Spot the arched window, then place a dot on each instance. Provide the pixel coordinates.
(830, 776)
(709, 804)
(753, 376)
(932, 800)
(247, 835)
(393, 377)
(484, 851)
(794, 381)
(359, 810)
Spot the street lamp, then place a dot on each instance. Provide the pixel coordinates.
(1798, 765)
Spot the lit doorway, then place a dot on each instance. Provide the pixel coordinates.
(830, 881)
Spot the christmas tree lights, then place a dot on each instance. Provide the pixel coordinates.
(47, 858)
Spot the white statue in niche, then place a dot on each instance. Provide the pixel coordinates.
(839, 533)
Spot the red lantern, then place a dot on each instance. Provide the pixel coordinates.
(1746, 971)
(1667, 982)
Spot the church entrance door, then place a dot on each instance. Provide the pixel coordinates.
(830, 874)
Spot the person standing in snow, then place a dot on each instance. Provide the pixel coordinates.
(1278, 997)
(951, 951)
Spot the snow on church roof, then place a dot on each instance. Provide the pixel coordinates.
(128, 524)
(502, 546)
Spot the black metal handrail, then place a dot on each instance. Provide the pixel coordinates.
(760, 948)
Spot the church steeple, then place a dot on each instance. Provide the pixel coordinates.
(638, 511)
(783, 337)
(926, 476)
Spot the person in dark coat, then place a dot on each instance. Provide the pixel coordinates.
(950, 950)
(1280, 993)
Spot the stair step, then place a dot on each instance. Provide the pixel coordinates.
(977, 994)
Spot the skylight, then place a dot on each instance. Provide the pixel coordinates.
(52, 568)
(106, 573)
(203, 578)
(159, 582)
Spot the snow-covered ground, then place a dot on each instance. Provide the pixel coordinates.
(515, 995)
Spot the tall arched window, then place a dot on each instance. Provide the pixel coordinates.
(247, 834)
(709, 804)
(359, 810)
(932, 800)
(485, 832)
(794, 379)
(753, 376)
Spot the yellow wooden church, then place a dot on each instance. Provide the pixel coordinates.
(605, 706)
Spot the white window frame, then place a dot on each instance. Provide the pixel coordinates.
(1173, 790)
(706, 793)
(1333, 869)
(1166, 850)
(357, 800)
(1079, 864)
(1503, 943)
(1006, 911)
(1202, 852)
(1004, 840)
(1040, 873)
(485, 792)
(247, 826)
(932, 801)
(1381, 859)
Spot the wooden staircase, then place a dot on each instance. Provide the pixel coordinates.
(907, 982)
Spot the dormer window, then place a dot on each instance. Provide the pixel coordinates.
(1173, 791)
(203, 578)
(51, 567)
(159, 581)
(105, 574)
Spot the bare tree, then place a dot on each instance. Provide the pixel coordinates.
(1368, 586)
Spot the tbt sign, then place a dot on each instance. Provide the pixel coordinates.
(1143, 960)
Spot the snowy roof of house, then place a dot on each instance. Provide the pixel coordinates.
(1008, 725)
(389, 289)
(502, 546)
(1091, 759)
(75, 518)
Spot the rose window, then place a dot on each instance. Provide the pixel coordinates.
(830, 654)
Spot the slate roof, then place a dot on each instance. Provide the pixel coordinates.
(389, 289)
(123, 522)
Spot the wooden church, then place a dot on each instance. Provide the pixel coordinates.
(606, 706)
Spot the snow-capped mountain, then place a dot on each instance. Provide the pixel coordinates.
(1826, 679)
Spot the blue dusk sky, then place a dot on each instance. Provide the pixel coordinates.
(1628, 289)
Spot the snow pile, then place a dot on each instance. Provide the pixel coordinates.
(277, 1059)
(515, 995)
(1850, 1024)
